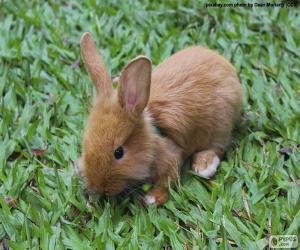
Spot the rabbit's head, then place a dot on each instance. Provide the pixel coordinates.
(118, 143)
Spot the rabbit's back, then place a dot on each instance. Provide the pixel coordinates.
(195, 95)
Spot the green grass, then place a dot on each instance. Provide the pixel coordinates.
(45, 95)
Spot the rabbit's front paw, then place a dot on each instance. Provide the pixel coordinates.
(156, 195)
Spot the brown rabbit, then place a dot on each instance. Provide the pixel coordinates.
(194, 97)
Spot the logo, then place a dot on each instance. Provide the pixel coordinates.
(283, 241)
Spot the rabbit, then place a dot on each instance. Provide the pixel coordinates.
(194, 98)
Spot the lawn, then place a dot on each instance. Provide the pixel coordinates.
(45, 95)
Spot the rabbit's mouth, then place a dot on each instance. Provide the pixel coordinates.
(134, 187)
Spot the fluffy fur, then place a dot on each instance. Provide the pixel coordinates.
(194, 97)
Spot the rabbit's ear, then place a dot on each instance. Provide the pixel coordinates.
(95, 65)
(135, 83)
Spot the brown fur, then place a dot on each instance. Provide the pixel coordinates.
(194, 98)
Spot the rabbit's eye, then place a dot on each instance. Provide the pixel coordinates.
(119, 152)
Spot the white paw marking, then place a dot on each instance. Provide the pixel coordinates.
(210, 170)
(149, 199)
